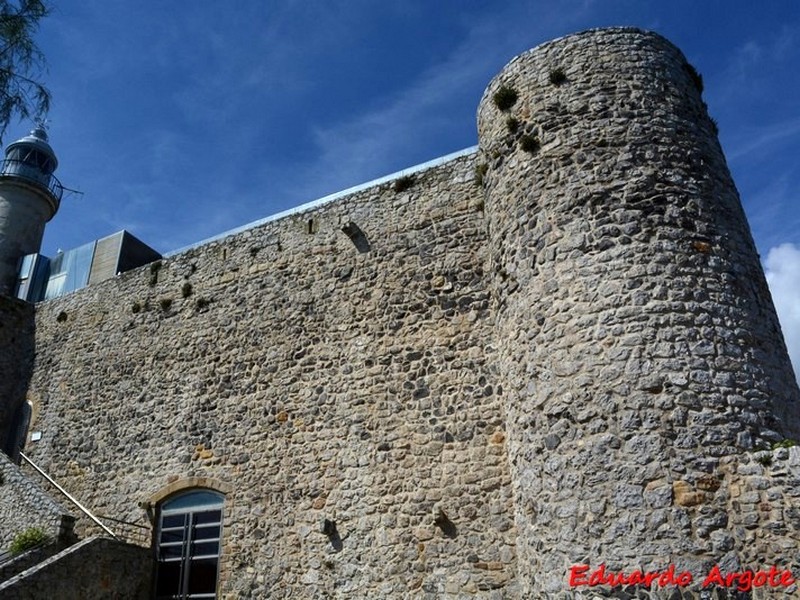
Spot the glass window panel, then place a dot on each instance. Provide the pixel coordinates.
(206, 532)
(69, 271)
(212, 517)
(32, 279)
(189, 535)
(55, 286)
(173, 521)
(205, 548)
(193, 500)
(172, 536)
(26, 268)
(79, 265)
(203, 576)
(57, 264)
(171, 552)
(168, 579)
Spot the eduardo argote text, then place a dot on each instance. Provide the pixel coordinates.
(743, 581)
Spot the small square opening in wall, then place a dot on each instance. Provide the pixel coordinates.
(312, 226)
(36, 436)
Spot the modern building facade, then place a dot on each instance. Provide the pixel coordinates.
(41, 278)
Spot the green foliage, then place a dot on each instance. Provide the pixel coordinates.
(529, 143)
(155, 267)
(784, 444)
(505, 97)
(186, 290)
(512, 124)
(21, 62)
(696, 78)
(202, 303)
(765, 459)
(27, 539)
(403, 183)
(165, 304)
(480, 172)
(557, 76)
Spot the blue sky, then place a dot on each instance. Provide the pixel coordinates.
(180, 120)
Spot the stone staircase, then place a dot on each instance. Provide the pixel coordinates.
(93, 569)
(111, 564)
(12, 565)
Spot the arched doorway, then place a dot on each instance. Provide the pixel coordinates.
(188, 545)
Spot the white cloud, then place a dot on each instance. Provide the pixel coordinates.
(783, 276)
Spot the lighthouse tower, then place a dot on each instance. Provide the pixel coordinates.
(29, 197)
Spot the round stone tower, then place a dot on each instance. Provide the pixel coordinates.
(638, 349)
(29, 197)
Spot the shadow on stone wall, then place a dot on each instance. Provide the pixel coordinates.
(17, 348)
(108, 569)
(24, 505)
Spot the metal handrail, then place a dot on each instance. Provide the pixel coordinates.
(11, 167)
(129, 531)
(80, 506)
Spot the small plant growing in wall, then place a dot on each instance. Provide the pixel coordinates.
(480, 172)
(512, 124)
(62, 316)
(154, 269)
(529, 143)
(765, 459)
(136, 308)
(696, 78)
(186, 290)
(403, 183)
(505, 97)
(557, 76)
(165, 304)
(787, 443)
(25, 540)
(202, 303)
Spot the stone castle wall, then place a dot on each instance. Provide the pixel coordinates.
(640, 349)
(317, 377)
(106, 569)
(24, 505)
(16, 361)
(570, 359)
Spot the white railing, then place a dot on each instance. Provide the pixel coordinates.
(80, 506)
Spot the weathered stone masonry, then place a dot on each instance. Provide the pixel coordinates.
(571, 360)
(316, 380)
(16, 361)
(640, 350)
